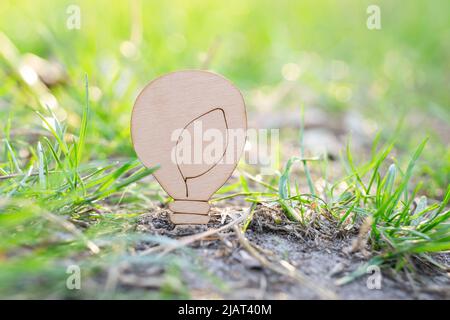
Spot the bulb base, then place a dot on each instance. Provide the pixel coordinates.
(189, 212)
(186, 218)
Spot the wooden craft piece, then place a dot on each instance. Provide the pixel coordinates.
(193, 124)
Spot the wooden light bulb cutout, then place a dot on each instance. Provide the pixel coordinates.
(173, 107)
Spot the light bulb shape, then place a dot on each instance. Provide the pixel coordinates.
(175, 121)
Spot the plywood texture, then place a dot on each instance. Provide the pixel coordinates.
(181, 100)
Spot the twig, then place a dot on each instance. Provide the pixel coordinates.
(238, 194)
(184, 241)
(283, 268)
(212, 50)
(20, 175)
(254, 179)
(71, 228)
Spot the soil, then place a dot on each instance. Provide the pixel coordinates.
(317, 251)
(218, 266)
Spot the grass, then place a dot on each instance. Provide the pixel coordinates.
(55, 207)
(71, 188)
(401, 225)
(46, 201)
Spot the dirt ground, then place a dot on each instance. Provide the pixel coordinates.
(277, 259)
(319, 255)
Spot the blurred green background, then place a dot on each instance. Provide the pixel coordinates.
(391, 83)
(280, 53)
